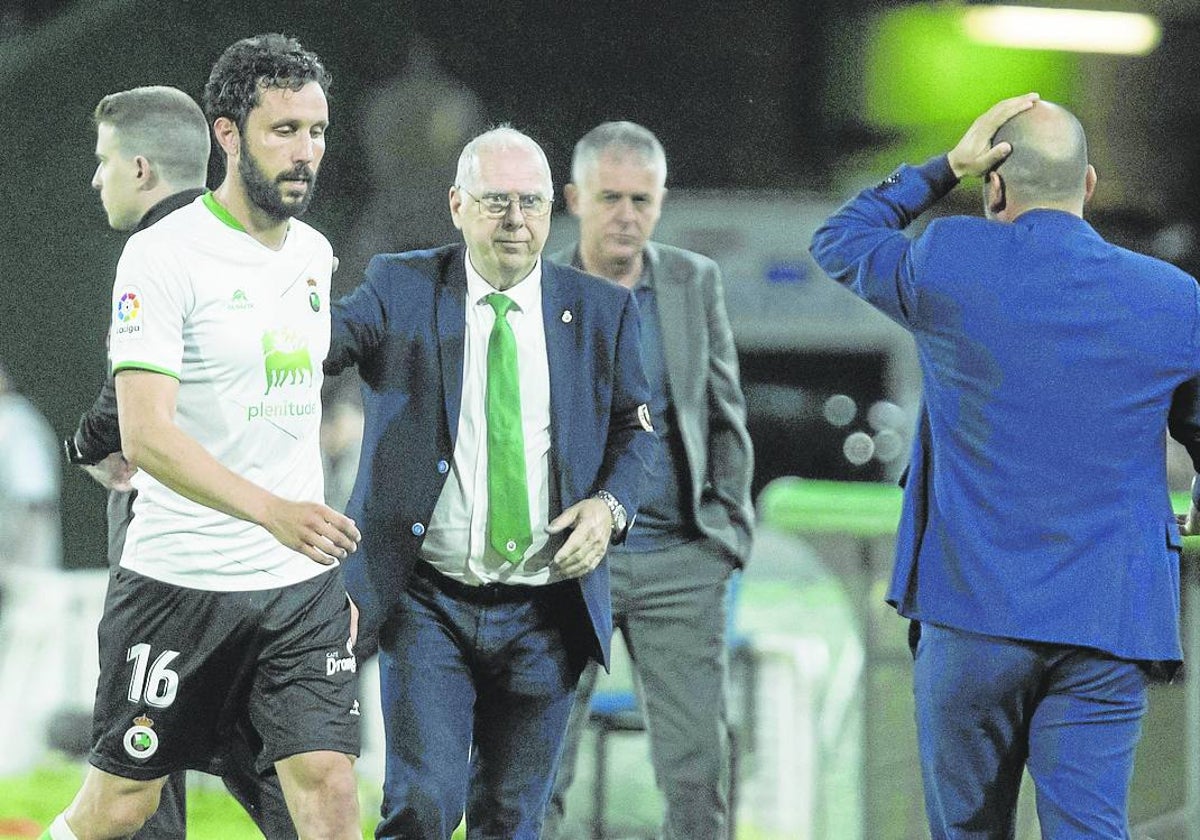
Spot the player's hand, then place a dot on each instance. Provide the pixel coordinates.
(113, 473)
(317, 531)
(975, 154)
(590, 522)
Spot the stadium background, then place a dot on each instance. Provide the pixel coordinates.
(771, 111)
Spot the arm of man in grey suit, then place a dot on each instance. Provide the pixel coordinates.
(730, 455)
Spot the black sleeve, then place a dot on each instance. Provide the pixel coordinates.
(99, 434)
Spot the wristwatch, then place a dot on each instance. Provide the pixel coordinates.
(619, 520)
(74, 456)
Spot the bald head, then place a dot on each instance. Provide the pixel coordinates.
(1048, 164)
(499, 139)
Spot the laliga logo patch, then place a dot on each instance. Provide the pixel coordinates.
(127, 314)
(643, 412)
(128, 306)
(141, 741)
(314, 300)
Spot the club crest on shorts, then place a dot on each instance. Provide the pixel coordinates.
(140, 740)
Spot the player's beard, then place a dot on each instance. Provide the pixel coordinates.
(266, 192)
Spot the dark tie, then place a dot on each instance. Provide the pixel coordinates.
(509, 531)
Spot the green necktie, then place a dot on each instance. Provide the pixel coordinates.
(509, 531)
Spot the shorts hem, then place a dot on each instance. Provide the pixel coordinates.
(266, 759)
(129, 771)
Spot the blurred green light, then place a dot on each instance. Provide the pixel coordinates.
(1075, 30)
(927, 80)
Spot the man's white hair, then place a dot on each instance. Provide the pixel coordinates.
(502, 137)
(623, 139)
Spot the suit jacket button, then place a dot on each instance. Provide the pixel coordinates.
(443, 466)
(418, 529)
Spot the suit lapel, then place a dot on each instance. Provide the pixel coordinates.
(451, 318)
(560, 341)
(687, 376)
(674, 315)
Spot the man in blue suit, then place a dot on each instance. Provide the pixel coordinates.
(1038, 555)
(506, 439)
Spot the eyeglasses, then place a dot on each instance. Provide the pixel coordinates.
(495, 205)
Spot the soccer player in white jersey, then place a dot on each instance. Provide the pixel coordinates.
(224, 609)
(152, 149)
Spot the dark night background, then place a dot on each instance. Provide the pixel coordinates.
(754, 95)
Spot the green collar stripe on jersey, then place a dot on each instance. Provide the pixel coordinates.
(221, 213)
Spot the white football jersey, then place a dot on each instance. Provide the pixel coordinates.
(244, 329)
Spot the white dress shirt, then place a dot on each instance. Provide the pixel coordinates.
(456, 543)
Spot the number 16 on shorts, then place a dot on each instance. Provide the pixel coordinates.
(156, 683)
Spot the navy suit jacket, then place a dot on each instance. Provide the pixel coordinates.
(405, 327)
(1053, 362)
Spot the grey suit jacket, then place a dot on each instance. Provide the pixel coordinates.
(710, 409)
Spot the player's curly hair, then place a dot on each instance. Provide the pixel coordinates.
(253, 65)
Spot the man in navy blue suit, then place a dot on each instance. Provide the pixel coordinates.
(506, 439)
(1038, 554)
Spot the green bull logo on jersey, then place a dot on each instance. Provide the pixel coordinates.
(286, 360)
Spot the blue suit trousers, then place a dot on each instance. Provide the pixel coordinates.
(476, 695)
(987, 707)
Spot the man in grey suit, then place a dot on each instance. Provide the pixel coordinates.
(670, 577)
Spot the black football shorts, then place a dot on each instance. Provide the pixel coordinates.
(182, 669)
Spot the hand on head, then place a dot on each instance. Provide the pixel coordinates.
(974, 155)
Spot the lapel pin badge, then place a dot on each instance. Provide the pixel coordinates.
(567, 316)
